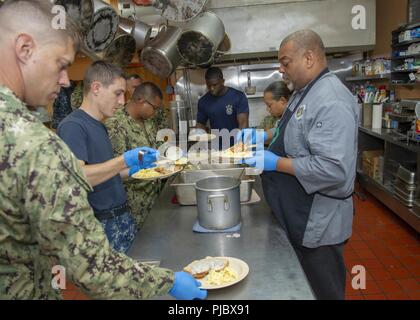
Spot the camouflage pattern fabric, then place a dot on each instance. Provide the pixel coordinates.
(46, 220)
(159, 121)
(269, 122)
(77, 96)
(125, 134)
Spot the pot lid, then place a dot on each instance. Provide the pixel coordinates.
(179, 10)
(102, 29)
(220, 183)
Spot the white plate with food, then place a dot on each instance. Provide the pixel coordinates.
(238, 151)
(218, 272)
(159, 172)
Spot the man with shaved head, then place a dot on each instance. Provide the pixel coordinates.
(46, 223)
(310, 165)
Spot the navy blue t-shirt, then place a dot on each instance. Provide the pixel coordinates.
(222, 111)
(89, 141)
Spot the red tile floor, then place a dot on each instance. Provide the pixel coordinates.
(385, 245)
(389, 250)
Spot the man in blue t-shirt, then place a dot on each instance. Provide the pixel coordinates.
(224, 107)
(85, 134)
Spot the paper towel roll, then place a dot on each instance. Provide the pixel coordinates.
(377, 116)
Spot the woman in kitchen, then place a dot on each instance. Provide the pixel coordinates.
(276, 96)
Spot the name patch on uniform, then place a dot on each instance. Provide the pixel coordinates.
(299, 112)
(229, 110)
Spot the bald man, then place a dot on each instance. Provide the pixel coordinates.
(46, 223)
(310, 165)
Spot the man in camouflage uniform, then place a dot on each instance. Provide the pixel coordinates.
(129, 127)
(45, 218)
(160, 120)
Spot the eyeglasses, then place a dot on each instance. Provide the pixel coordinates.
(153, 105)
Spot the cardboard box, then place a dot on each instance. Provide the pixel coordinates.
(373, 164)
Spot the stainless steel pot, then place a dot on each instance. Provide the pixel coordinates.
(218, 202)
(121, 50)
(200, 39)
(179, 11)
(101, 22)
(161, 56)
(138, 30)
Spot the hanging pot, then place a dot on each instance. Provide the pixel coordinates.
(122, 49)
(179, 10)
(200, 39)
(223, 48)
(102, 21)
(138, 30)
(161, 56)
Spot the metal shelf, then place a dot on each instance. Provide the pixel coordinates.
(406, 57)
(257, 95)
(375, 77)
(404, 43)
(389, 136)
(412, 84)
(385, 195)
(405, 71)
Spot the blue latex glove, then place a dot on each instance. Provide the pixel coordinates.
(187, 288)
(264, 160)
(134, 169)
(251, 136)
(131, 158)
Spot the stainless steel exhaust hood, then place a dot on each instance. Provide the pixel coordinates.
(256, 27)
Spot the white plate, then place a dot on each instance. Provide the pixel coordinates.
(163, 176)
(239, 266)
(202, 137)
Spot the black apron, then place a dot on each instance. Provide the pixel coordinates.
(283, 192)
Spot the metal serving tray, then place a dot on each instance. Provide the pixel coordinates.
(184, 183)
(406, 175)
(407, 188)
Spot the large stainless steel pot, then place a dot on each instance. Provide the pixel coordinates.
(200, 39)
(121, 50)
(138, 30)
(218, 202)
(101, 22)
(161, 56)
(179, 10)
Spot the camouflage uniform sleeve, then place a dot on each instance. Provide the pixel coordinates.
(67, 230)
(118, 137)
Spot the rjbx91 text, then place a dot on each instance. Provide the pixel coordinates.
(218, 310)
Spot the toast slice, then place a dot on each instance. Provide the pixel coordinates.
(200, 268)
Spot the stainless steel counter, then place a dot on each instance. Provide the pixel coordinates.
(275, 272)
